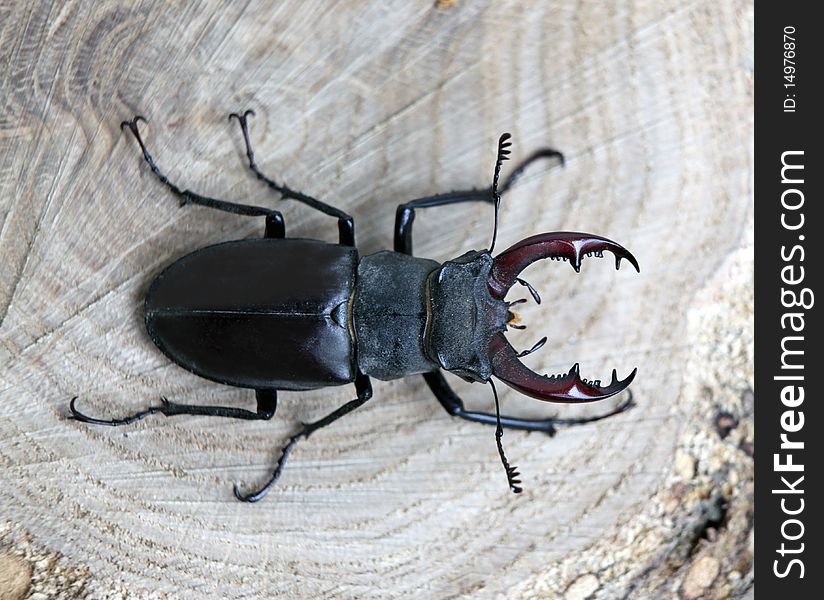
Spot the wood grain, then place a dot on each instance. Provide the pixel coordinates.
(365, 105)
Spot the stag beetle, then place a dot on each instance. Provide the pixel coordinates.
(296, 314)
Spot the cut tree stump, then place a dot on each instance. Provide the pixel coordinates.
(366, 105)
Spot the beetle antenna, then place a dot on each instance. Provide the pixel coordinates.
(503, 154)
(512, 474)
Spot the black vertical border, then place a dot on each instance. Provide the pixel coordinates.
(777, 131)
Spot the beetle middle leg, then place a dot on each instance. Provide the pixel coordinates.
(275, 227)
(346, 225)
(267, 402)
(363, 386)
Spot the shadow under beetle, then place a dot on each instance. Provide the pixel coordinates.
(295, 314)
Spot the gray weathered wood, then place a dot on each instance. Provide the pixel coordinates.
(366, 104)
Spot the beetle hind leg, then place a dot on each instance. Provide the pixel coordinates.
(364, 389)
(267, 401)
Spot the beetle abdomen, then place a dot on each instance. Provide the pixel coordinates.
(262, 314)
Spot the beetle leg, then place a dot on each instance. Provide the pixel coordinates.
(346, 225)
(274, 219)
(363, 385)
(267, 401)
(405, 215)
(521, 166)
(453, 404)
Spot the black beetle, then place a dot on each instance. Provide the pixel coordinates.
(295, 314)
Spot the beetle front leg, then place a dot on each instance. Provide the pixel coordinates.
(453, 404)
(363, 386)
(267, 402)
(405, 215)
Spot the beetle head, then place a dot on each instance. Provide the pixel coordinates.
(468, 316)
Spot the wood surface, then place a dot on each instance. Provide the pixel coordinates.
(365, 105)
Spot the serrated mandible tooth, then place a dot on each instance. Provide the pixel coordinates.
(575, 370)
